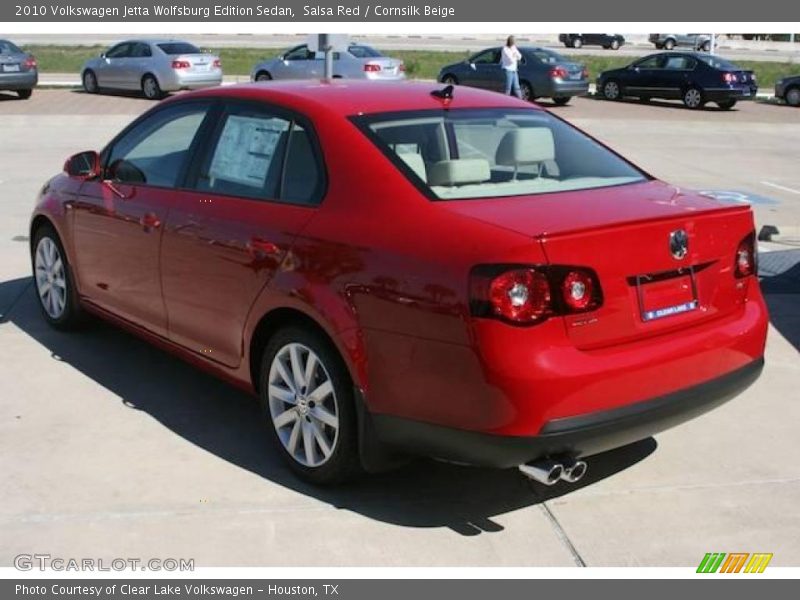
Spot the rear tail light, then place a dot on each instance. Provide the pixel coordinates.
(729, 77)
(585, 73)
(746, 261)
(577, 290)
(29, 63)
(371, 68)
(525, 295)
(558, 73)
(402, 68)
(180, 64)
(217, 63)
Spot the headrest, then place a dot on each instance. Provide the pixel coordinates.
(459, 172)
(526, 146)
(415, 162)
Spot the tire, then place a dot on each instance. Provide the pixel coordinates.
(792, 96)
(24, 94)
(693, 98)
(450, 79)
(53, 280)
(263, 76)
(727, 105)
(669, 44)
(612, 90)
(562, 100)
(615, 44)
(150, 88)
(577, 43)
(313, 424)
(526, 90)
(89, 80)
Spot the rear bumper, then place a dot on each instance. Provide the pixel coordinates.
(195, 81)
(723, 94)
(581, 435)
(569, 88)
(18, 81)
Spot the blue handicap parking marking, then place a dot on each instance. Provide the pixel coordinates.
(738, 197)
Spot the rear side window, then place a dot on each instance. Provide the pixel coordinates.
(141, 51)
(680, 63)
(264, 156)
(175, 48)
(247, 157)
(155, 151)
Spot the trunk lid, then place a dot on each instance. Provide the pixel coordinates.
(198, 63)
(624, 234)
(389, 67)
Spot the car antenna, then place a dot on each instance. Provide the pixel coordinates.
(446, 93)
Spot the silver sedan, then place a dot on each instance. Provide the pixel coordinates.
(18, 70)
(154, 67)
(357, 62)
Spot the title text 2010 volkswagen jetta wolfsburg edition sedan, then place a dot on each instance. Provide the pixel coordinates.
(395, 269)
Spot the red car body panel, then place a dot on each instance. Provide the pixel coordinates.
(384, 272)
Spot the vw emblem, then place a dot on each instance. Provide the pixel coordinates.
(678, 244)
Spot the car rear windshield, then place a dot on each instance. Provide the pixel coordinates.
(718, 63)
(547, 57)
(364, 52)
(486, 153)
(175, 48)
(7, 47)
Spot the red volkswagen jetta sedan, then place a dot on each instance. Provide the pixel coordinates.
(399, 269)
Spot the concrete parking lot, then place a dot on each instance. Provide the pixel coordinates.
(111, 448)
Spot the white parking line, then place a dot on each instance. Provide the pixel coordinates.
(780, 187)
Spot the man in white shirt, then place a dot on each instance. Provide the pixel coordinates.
(509, 60)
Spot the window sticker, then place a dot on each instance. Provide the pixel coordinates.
(245, 149)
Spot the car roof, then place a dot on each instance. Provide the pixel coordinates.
(350, 97)
(152, 41)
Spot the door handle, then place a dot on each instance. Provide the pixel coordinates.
(149, 222)
(260, 248)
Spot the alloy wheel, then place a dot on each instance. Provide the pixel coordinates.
(611, 90)
(693, 98)
(51, 278)
(303, 405)
(89, 82)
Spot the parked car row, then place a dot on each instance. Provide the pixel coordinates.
(159, 66)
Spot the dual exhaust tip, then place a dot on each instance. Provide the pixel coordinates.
(551, 471)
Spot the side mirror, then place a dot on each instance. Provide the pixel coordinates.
(85, 165)
(102, 55)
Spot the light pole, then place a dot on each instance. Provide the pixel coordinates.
(327, 47)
